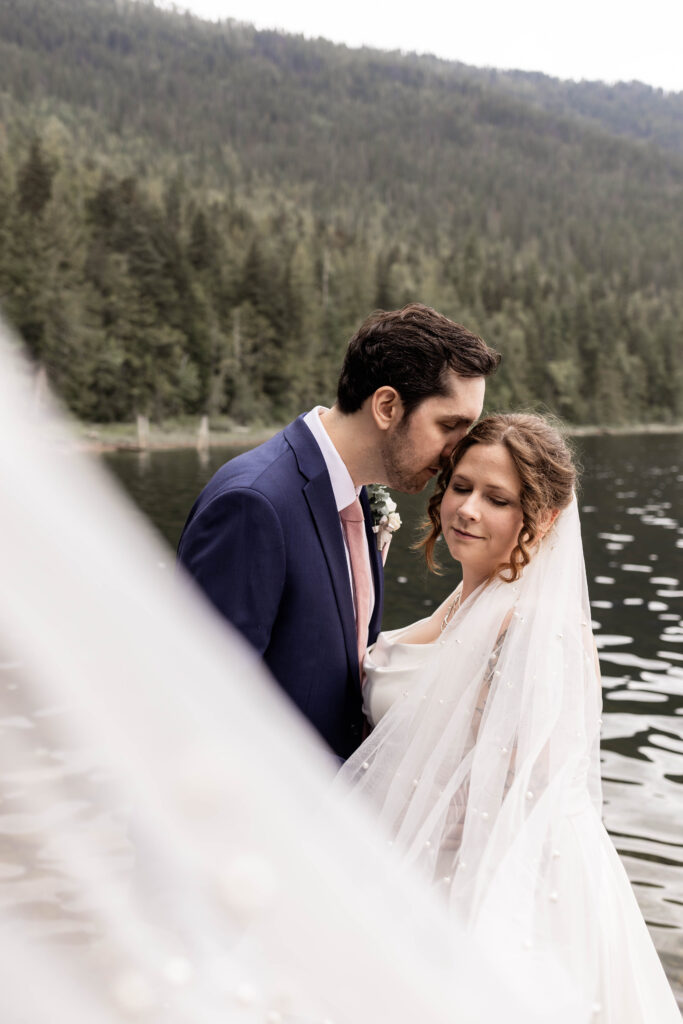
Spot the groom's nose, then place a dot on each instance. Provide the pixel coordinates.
(450, 444)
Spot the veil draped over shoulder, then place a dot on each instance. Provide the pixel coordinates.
(480, 768)
(170, 852)
(485, 776)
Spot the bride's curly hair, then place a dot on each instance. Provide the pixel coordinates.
(546, 468)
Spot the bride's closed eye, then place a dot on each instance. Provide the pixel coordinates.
(463, 489)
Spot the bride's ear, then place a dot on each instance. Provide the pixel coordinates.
(547, 520)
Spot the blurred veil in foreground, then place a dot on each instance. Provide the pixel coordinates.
(170, 851)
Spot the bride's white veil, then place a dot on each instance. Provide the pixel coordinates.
(478, 770)
(169, 851)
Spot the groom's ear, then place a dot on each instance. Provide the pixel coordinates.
(386, 407)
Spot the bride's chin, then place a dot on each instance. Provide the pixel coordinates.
(465, 563)
(471, 567)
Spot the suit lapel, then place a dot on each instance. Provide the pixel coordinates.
(377, 569)
(320, 498)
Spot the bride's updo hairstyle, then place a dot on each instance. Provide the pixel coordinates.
(546, 470)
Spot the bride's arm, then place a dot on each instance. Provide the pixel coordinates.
(488, 675)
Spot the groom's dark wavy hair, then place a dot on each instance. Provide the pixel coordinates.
(410, 349)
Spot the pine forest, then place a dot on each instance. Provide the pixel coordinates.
(195, 217)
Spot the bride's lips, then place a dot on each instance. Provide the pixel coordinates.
(465, 534)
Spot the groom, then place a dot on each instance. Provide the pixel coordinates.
(281, 538)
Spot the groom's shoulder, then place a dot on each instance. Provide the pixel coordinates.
(272, 468)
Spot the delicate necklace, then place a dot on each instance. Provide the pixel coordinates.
(452, 609)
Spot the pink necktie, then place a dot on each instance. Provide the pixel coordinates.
(353, 523)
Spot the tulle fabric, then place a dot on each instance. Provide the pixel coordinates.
(485, 775)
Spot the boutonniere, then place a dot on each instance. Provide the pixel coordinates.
(385, 518)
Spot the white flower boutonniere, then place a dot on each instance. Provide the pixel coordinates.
(385, 518)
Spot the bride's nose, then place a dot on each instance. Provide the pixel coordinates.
(470, 507)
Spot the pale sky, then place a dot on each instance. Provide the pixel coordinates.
(610, 40)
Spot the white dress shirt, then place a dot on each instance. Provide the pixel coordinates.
(342, 485)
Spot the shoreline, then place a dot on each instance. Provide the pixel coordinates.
(625, 429)
(102, 438)
(124, 438)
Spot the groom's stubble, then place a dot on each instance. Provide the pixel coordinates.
(419, 445)
(399, 458)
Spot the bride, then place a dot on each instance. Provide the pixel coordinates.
(483, 766)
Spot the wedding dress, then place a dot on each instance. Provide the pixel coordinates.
(483, 770)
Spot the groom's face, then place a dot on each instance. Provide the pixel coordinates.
(417, 446)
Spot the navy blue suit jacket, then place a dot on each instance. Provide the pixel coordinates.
(264, 542)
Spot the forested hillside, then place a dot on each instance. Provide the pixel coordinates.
(629, 109)
(194, 217)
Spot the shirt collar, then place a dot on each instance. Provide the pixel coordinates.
(340, 478)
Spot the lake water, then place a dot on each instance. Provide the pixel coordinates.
(630, 500)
